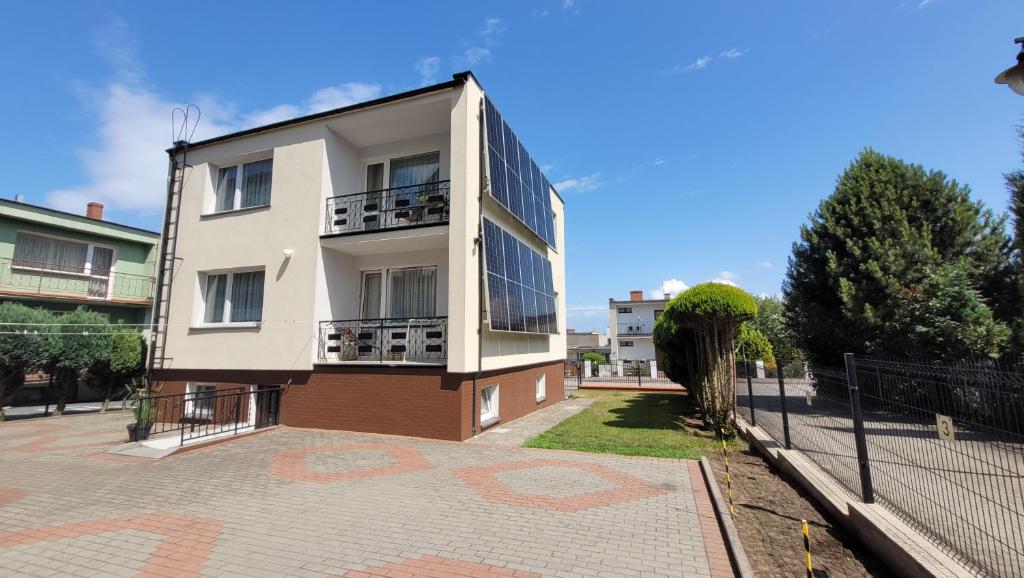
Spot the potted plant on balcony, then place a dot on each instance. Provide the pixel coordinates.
(142, 410)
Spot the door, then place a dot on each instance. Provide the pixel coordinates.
(268, 401)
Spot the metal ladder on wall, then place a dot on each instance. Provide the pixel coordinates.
(177, 173)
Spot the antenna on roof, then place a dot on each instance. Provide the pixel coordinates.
(184, 122)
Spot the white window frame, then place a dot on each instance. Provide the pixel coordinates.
(493, 395)
(386, 161)
(541, 387)
(86, 270)
(236, 202)
(385, 282)
(201, 323)
(191, 389)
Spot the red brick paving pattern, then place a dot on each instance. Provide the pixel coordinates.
(714, 545)
(8, 495)
(184, 550)
(485, 482)
(434, 567)
(291, 464)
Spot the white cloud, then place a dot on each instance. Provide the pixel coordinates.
(581, 184)
(427, 68)
(476, 54)
(727, 278)
(492, 30)
(732, 53)
(658, 162)
(341, 95)
(765, 264)
(126, 167)
(924, 4)
(669, 288)
(724, 281)
(700, 64)
(568, 4)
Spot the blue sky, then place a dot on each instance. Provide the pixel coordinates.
(690, 139)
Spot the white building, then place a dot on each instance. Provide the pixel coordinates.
(342, 255)
(631, 326)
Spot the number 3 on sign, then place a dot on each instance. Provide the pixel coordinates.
(946, 427)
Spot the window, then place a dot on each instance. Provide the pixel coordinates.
(658, 312)
(199, 401)
(408, 294)
(488, 406)
(66, 257)
(235, 297)
(542, 387)
(625, 344)
(252, 190)
(625, 309)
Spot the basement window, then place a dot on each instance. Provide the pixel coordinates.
(542, 387)
(489, 406)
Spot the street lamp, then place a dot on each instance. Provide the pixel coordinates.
(1014, 76)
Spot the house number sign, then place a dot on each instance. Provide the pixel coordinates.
(946, 428)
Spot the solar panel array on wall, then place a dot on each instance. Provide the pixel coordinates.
(520, 288)
(515, 179)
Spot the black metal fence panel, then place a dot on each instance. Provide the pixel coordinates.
(206, 413)
(939, 446)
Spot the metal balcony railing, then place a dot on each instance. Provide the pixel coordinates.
(23, 277)
(416, 340)
(388, 209)
(636, 328)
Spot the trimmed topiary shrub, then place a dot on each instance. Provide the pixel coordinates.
(707, 318)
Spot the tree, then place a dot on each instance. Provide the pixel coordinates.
(25, 345)
(867, 263)
(122, 364)
(595, 359)
(1012, 310)
(752, 345)
(83, 338)
(704, 322)
(771, 322)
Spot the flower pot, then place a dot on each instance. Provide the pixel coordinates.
(139, 432)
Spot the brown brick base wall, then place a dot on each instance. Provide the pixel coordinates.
(421, 402)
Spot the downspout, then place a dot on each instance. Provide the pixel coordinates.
(478, 244)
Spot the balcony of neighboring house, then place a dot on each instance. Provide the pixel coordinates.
(636, 328)
(74, 279)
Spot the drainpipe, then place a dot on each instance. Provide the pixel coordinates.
(478, 243)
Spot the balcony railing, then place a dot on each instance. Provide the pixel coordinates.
(636, 328)
(23, 277)
(388, 209)
(419, 340)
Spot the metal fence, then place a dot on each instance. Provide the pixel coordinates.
(395, 208)
(420, 340)
(200, 414)
(939, 446)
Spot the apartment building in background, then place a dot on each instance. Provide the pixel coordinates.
(397, 266)
(631, 326)
(58, 261)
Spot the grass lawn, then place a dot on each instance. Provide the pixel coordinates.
(632, 424)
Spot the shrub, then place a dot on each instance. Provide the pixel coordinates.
(706, 319)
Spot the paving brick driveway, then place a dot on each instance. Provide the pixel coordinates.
(293, 502)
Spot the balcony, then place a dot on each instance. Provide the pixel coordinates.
(636, 328)
(19, 277)
(422, 340)
(388, 209)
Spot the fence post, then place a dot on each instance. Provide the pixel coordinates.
(866, 489)
(750, 391)
(782, 398)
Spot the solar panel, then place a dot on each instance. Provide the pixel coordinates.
(520, 290)
(515, 180)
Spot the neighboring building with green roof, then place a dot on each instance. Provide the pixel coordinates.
(58, 261)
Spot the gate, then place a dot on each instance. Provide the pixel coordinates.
(623, 373)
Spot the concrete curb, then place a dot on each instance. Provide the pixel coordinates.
(740, 564)
(903, 550)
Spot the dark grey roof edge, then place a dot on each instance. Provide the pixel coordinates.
(83, 218)
(458, 79)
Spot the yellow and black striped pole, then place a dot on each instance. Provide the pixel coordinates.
(728, 478)
(807, 549)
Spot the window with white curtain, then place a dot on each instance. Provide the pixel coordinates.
(542, 387)
(66, 257)
(251, 190)
(233, 297)
(412, 292)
